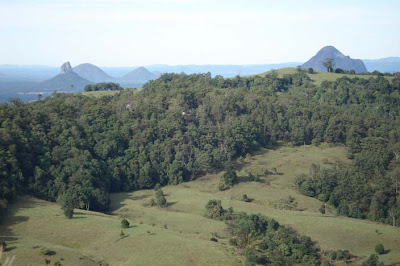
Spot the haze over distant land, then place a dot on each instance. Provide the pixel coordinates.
(175, 32)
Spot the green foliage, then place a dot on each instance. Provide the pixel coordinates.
(343, 255)
(125, 223)
(379, 248)
(3, 245)
(245, 198)
(103, 86)
(288, 203)
(229, 178)
(328, 63)
(68, 204)
(214, 209)
(180, 126)
(264, 240)
(45, 251)
(153, 202)
(322, 209)
(373, 260)
(160, 199)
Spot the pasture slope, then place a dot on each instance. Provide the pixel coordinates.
(180, 234)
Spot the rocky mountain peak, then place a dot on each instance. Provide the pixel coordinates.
(66, 68)
(339, 61)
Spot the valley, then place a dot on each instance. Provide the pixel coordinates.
(180, 233)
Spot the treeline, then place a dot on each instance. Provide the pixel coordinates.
(103, 86)
(368, 188)
(178, 127)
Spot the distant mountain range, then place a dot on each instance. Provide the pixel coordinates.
(67, 80)
(28, 81)
(339, 61)
(389, 64)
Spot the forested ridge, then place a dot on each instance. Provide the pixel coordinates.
(180, 126)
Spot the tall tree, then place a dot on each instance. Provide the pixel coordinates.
(328, 63)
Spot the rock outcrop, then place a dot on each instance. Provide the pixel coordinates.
(66, 68)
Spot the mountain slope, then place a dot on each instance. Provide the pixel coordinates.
(389, 64)
(139, 75)
(92, 73)
(339, 60)
(67, 80)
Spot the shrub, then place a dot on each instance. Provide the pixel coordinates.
(343, 255)
(125, 223)
(245, 198)
(3, 245)
(379, 248)
(332, 255)
(45, 251)
(160, 199)
(322, 209)
(373, 260)
(152, 202)
(233, 242)
(229, 178)
(274, 171)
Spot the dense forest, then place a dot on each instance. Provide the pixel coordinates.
(78, 149)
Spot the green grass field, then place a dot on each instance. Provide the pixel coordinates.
(99, 93)
(180, 234)
(318, 77)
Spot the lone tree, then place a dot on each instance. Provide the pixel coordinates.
(328, 63)
(68, 204)
(379, 249)
(160, 199)
(124, 223)
(229, 178)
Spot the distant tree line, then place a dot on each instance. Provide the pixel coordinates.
(78, 149)
(103, 86)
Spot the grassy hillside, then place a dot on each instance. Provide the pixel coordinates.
(179, 234)
(98, 94)
(318, 77)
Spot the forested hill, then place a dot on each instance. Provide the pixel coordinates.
(180, 126)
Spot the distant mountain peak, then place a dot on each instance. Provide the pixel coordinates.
(339, 60)
(139, 75)
(92, 73)
(66, 68)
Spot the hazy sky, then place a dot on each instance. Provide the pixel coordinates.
(142, 32)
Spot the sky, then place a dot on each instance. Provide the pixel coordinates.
(144, 32)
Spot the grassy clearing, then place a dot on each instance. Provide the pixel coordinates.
(179, 234)
(98, 94)
(318, 77)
